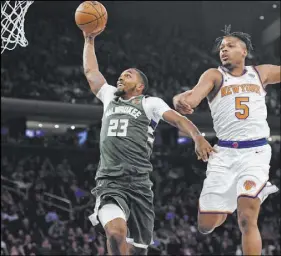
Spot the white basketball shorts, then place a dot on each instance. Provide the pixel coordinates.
(232, 173)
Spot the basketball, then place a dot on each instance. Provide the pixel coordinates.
(91, 16)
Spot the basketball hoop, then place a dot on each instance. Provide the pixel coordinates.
(12, 24)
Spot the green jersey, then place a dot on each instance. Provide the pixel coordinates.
(126, 138)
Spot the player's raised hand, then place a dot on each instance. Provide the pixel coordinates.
(203, 149)
(181, 105)
(92, 34)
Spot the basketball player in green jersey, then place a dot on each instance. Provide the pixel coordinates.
(124, 199)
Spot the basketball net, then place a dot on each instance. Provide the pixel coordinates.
(12, 24)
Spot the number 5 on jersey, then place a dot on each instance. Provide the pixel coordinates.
(118, 127)
(243, 109)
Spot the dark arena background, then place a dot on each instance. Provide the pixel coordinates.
(50, 123)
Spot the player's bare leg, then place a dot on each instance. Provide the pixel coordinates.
(248, 212)
(207, 222)
(116, 232)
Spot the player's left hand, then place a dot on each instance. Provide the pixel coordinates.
(181, 105)
(203, 149)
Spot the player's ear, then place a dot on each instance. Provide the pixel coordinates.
(245, 53)
(141, 86)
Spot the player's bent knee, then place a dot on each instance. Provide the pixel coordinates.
(246, 220)
(116, 235)
(113, 229)
(223, 219)
(247, 211)
(208, 222)
(205, 230)
(246, 224)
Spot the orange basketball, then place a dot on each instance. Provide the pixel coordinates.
(91, 16)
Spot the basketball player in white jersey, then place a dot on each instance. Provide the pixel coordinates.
(237, 175)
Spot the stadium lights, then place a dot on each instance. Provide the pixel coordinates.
(40, 125)
(57, 126)
(72, 127)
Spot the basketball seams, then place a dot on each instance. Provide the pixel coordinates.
(88, 13)
(94, 5)
(97, 23)
(86, 23)
(93, 10)
(105, 12)
(91, 20)
(99, 19)
(101, 9)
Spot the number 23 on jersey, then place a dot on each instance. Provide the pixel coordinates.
(118, 127)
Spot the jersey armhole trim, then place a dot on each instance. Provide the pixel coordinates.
(257, 72)
(219, 88)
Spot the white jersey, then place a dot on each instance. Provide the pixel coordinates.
(238, 110)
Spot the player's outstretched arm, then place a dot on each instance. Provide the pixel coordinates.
(269, 74)
(188, 100)
(202, 147)
(91, 68)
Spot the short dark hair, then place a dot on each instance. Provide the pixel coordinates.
(244, 37)
(144, 80)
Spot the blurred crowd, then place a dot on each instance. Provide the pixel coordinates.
(50, 68)
(45, 201)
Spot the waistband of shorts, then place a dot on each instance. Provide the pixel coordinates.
(242, 144)
(127, 177)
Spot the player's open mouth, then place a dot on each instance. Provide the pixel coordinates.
(224, 57)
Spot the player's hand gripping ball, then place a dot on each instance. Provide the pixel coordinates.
(91, 17)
